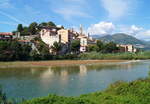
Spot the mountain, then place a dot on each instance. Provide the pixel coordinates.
(96, 36)
(121, 38)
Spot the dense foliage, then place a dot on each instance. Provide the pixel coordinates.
(13, 50)
(102, 47)
(136, 92)
(32, 29)
(56, 48)
(75, 46)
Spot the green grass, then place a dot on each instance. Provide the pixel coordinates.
(136, 92)
(124, 56)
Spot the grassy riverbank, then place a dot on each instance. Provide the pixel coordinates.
(136, 92)
(55, 63)
(115, 56)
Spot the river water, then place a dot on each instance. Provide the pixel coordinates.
(32, 82)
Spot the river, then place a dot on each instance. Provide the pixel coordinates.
(31, 82)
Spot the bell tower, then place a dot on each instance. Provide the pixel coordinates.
(81, 29)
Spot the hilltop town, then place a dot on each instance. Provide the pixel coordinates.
(60, 40)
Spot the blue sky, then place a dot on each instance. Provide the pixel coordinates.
(97, 16)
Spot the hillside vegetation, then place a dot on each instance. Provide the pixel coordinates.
(122, 38)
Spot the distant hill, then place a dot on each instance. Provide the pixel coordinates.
(121, 38)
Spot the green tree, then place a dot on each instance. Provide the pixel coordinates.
(100, 45)
(91, 48)
(43, 51)
(25, 31)
(56, 48)
(13, 50)
(33, 28)
(110, 47)
(42, 24)
(75, 46)
(45, 54)
(25, 52)
(51, 24)
(20, 28)
(34, 55)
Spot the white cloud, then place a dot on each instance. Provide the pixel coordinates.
(70, 9)
(143, 35)
(118, 8)
(132, 30)
(136, 31)
(5, 4)
(102, 28)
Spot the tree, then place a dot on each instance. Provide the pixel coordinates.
(45, 54)
(33, 28)
(34, 55)
(75, 46)
(13, 50)
(110, 47)
(47, 24)
(25, 31)
(100, 46)
(56, 48)
(20, 28)
(25, 54)
(42, 24)
(51, 24)
(91, 48)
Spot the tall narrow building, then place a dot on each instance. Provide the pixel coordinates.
(81, 30)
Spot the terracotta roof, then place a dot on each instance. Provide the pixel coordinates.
(6, 33)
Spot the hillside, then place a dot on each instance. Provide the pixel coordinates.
(121, 38)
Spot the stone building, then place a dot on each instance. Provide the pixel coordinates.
(49, 35)
(127, 48)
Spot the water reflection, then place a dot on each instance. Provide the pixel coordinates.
(68, 80)
(83, 70)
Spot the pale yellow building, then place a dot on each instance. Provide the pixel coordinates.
(66, 35)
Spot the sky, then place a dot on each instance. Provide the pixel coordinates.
(98, 17)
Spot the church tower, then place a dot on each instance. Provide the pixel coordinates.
(81, 29)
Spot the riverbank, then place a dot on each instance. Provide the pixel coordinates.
(115, 56)
(55, 63)
(135, 92)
